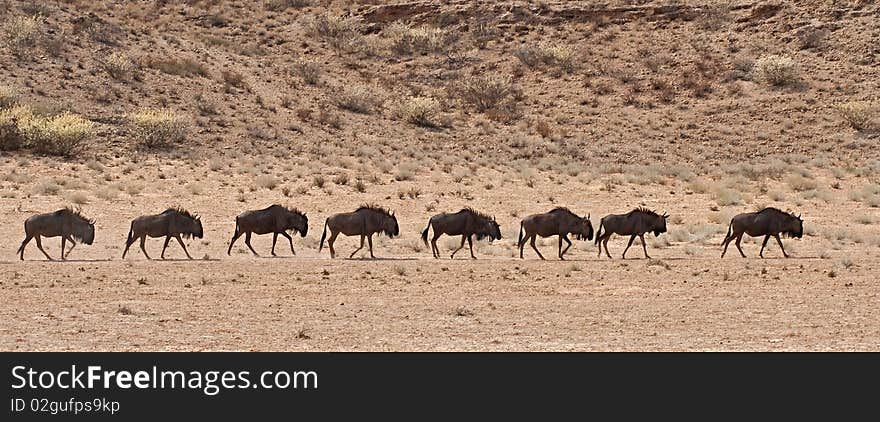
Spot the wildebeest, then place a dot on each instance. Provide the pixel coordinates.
(66, 222)
(364, 221)
(467, 223)
(558, 222)
(173, 222)
(634, 223)
(767, 222)
(275, 219)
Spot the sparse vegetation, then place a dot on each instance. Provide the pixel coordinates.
(358, 98)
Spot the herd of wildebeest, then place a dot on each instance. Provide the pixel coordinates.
(368, 220)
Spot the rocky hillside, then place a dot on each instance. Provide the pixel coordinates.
(595, 82)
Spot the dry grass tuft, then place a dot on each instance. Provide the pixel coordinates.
(119, 66)
(20, 34)
(776, 70)
(156, 128)
(421, 111)
(857, 114)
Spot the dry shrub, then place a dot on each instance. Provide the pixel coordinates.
(857, 114)
(419, 110)
(776, 70)
(483, 92)
(799, 183)
(176, 66)
(8, 97)
(341, 32)
(310, 72)
(20, 34)
(156, 128)
(233, 79)
(405, 39)
(266, 181)
(63, 134)
(119, 66)
(281, 5)
(561, 57)
(358, 98)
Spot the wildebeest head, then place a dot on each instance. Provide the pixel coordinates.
(89, 234)
(586, 229)
(197, 231)
(660, 224)
(298, 222)
(794, 226)
(389, 225)
(492, 230)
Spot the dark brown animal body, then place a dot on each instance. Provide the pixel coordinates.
(634, 223)
(67, 223)
(364, 221)
(173, 222)
(767, 222)
(274, 219)
(558, 222)
(466, 223)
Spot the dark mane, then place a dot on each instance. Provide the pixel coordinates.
(475, 213)
(374, 208)
(182, 212)
(285, 208)
(563, 210)
(643, 210)
(773, 210)
(75, 213)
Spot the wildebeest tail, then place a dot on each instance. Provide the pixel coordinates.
(21, 248)
(519, 240)
(599, 232)
(323, 235)
(729, 230)
(425, 233)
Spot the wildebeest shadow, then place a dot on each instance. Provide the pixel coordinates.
(381, 259)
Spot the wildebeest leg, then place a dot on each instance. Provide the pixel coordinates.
(247, 241)
(72, 245)
(330, 243)
(644, 248)
(40, 247)
(183, 245)
(459, 248)
(778, 240)
(471, 246)
(521, 245)
(434, 249)
(532, 242)
(763, 245)
(359, 248)
(739, 239)
(604, 241)
(631, 239)
(565, 238)
(63, 246)
(370, 243)
(274, 239)
(165, 246)
(289, 239)
(27, 239)
(143, 249)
